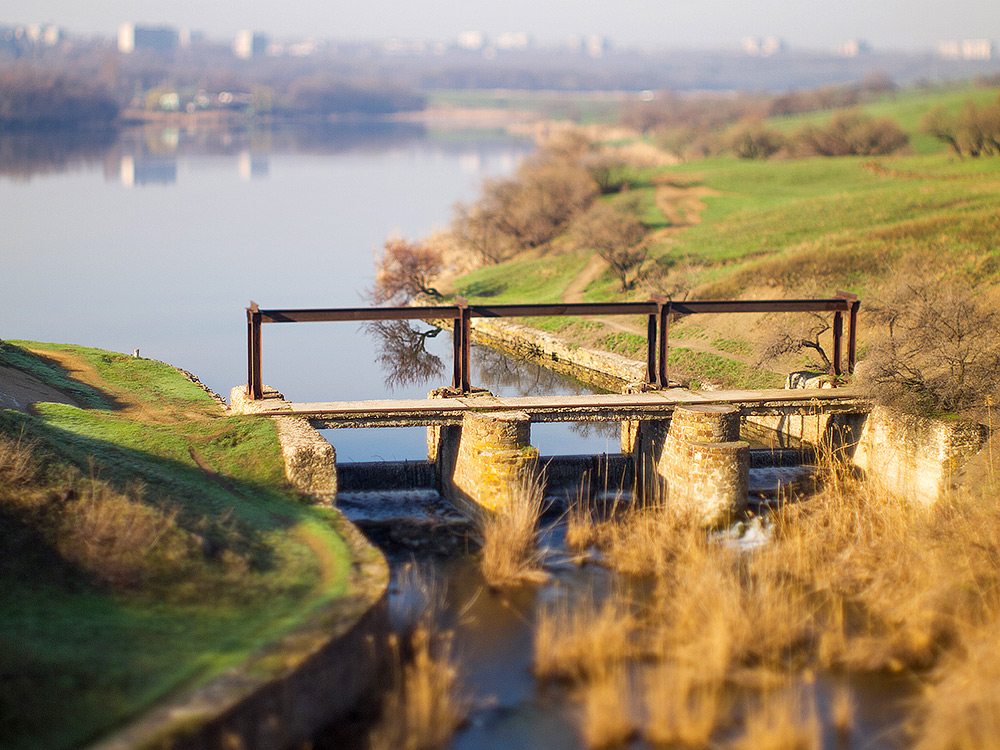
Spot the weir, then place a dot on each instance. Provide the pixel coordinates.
(679, 445)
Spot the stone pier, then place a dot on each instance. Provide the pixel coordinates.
(694, 460)
(479, 461)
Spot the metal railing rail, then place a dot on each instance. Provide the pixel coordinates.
(658, 310)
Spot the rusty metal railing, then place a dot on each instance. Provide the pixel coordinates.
(658, 310)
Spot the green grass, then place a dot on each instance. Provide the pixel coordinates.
(527, 277)
(702, 367)
(804, 227)
(77, 657)
(907, 108)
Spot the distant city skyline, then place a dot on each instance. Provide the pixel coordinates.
(803, 24)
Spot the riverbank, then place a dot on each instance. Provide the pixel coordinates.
(161, 579)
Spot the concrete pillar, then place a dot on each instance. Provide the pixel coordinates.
(703, 465)
(493, 451)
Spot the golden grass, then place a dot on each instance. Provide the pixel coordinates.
(17, 460)
(853, 580)
(604, 702)
(683, 706)
(510, 554)
(579, 640)
(783, 720)
(425, 704)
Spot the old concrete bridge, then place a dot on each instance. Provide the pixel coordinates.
(686, 443)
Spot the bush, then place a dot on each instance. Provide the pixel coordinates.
(852, 134)
(751, 139)
(974, 131)
(616, 236)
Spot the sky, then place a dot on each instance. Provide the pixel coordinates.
(815, 24)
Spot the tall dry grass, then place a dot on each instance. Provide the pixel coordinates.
(425, 704)
(605, 709)
(580, 640)
(17, 460)
(852, 580)
(782, 720)
(683, 706)
(510, 554)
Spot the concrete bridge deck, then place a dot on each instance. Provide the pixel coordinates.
(657, 404)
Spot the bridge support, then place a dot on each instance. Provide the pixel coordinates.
(696, 460)
(478, 462)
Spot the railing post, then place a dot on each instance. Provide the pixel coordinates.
(852, 337)
(462, 346)
(663, 375)
(255, 387)
(852, 329)
(838, 336)
(456, 353)
(466, 347)
(651, 350)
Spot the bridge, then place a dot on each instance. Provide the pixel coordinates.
(686, 440)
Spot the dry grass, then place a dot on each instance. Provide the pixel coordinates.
(116, 538)
(683, 706)
(784, 720)
(425, 705)
(510, 554)
(17, 460)
(580, 641)
(961, 709)
(604, 704)
(853, 580)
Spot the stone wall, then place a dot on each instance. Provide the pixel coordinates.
(915, 457)
(703, 464)
(310, 460)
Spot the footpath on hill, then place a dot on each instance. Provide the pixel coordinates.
(149, 541)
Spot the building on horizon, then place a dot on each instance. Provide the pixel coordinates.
(152, 38)
(966, 49)
(249, 44)
(853, 48)
(767, 46)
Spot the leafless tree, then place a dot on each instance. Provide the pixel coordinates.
(795, 337)
(405, 270)
(616, 235)
(939, 348)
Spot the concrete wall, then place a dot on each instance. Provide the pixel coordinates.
(915, 457)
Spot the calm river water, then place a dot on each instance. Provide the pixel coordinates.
(160, 238)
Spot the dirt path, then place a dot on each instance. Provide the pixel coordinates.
(682, 205)
(18, 390)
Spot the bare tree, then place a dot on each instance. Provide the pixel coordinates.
(616, 235)
(405, 270)
(939, 349)
(795, 337)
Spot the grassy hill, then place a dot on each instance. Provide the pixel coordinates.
(148, 541)
(723, 227)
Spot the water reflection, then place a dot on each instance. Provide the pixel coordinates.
(27, 155)
(402, 353)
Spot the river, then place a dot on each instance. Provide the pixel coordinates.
(159, 238)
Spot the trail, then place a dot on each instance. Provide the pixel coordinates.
(682, 205)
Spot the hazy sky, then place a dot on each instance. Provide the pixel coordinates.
(686, 23)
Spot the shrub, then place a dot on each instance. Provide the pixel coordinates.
(751, 139)
(852, 134)
(616, 235)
